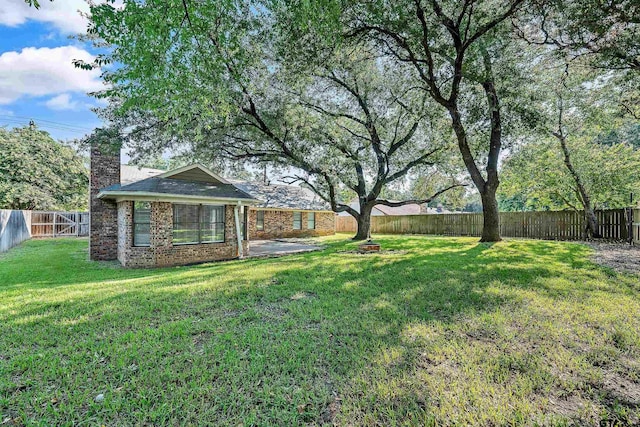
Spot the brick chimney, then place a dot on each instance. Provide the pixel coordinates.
(105, 171)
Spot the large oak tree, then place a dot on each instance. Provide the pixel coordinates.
(207, 74)
(453, 48)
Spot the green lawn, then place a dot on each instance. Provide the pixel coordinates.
(442, 331)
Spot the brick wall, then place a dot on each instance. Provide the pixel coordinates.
(162, 252)
(103, 236)
(279, 223)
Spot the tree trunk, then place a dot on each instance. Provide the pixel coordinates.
(591, 228)
(592, 223)
(364, 222)
(486, 187)
(491, 225)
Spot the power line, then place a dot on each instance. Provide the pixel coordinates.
(44, 126)
(37, 119)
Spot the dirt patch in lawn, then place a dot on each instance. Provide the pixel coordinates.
(622, 389)
(381, 252)
(619, 256)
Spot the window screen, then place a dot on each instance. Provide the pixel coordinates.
(141, 223)
(186, 224)
(198, 224)
(297, 220)
(212, 224)
(259, 220)
(311, 220)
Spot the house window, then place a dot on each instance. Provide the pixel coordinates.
(212, 224)
(186, 224)
(141, 224)
(311, 220)
(297, 220)
(260, 220)
(197, 224)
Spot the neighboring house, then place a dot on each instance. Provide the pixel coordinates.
(380, 210)
(148, 217)
(410, 209)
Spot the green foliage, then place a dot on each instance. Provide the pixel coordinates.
(256, 81)
(188, 64)
(425, 184)
(34, 3)
(608, 32)
(625, 132)
(211, 78)
(578, 105)
(604, 34)
(535, 177)
(37, 172)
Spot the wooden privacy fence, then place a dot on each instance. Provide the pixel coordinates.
(59, 224)
(551, 225)
(15, 227)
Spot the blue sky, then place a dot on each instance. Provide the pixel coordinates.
(37, 78)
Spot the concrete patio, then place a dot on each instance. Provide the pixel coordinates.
(268, 248)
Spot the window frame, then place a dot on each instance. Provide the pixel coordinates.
(311, 217)
(260, 220)
(134, 243)
(299, 221)
(200, 224)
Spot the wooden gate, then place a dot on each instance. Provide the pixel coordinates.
(59, 224)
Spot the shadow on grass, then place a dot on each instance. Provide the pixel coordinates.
(319, 337)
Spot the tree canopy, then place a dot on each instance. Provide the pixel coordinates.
(371, 99)
(536, 175)
(37, 172)
(461, 55)
(217, 85)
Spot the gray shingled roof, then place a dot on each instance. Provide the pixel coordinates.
(271, 196)
(181, 187)
(130, 173)
(283, 196)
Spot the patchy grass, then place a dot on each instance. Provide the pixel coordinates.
(437, 331)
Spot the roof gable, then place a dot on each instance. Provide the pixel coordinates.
(195, 173)
(176, 188)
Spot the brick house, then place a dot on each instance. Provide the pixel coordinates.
(286, 211)
(152, 218)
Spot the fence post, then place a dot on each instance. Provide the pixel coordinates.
(636, 226)
(55, 217)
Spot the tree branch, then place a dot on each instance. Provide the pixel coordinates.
(418, 201)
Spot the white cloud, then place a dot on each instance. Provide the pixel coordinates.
(62, 14)
(62, 102)
(45, 71)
